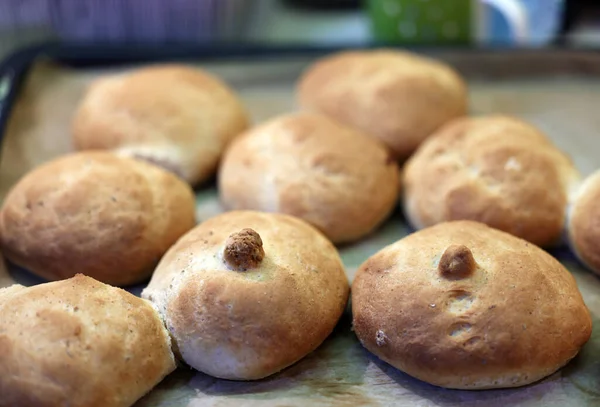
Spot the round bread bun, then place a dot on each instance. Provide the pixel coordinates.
(177, 117)
(583, 224)
(109, 217)
(493, 169)
(246, 294)
(398, 97)
(309, 166)
(79, 343)
(465, 306)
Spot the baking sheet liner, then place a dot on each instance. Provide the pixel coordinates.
(560, 94)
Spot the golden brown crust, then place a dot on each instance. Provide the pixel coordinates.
(175, 116)
(79, 343)
(249, 325)
(583, 225)
(398, 97)
(109, 217)
(515, 319)
(308, 166)
(492, 169)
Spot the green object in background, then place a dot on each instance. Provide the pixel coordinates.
(422, 21)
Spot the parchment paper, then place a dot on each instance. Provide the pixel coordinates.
(559, 93)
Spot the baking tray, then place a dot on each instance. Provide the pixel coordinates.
(558, 90)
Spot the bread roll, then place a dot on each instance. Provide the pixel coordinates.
(398, 97)
(246, 294)
(109, 217)
(79, 343)
(309, 166)
(492, 169)
(177, 117)
(583, 224)
(465, 306)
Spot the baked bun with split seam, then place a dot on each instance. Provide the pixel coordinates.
(178, 117)
(494, 169)
(307, 165)
(79, 343)
(465, 306)
(109, 217)
(583, 224)
(246, 294)
(398, 97)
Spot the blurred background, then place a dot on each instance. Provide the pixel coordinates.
(507, 23)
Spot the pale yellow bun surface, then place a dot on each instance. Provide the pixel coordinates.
(309, 166)
(246, 294)
(178, 117)
(583, 225)
(398, 97)
(493, 169)
(465, 306)
(79, 343)
(95, 213)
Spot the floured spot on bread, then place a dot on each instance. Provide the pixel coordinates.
(460, 301)
(380, 338)
(459, 329)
